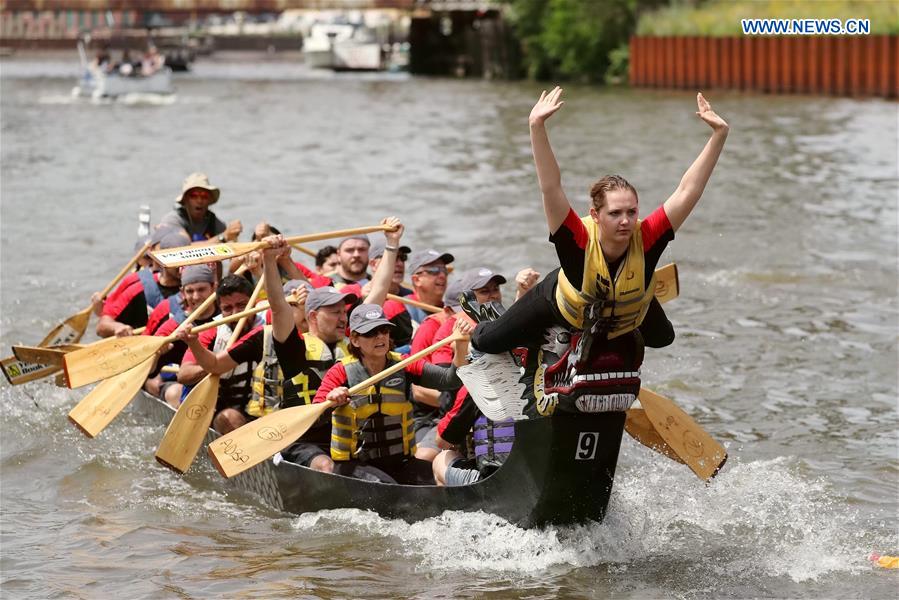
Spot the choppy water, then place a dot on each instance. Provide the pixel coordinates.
(786, 349)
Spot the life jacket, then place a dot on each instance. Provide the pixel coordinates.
(235, 385)
(616, 304)
(176, 310)
(376, 423)
(271, 392)
(152, 292)
(492, 441)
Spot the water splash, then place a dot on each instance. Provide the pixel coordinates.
(758, 519)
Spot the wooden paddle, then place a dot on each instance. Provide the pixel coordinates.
(103, 403)
(53, 355)
(682, 435)
(304, 249)
(112, 356)
(639, 427)
(195, 255)
(71, 330)
(187, 429)
(426, 307)
(667, 283)
(256, 441)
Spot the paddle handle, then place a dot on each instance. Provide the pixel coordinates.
(327, 235)
(305, 250)
(360, 387)
(213, 324)
(426, 307)
(238, 329)
(124, 270)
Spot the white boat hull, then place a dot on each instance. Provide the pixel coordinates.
(97, 84)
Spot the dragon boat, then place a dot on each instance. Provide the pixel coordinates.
(560, 471)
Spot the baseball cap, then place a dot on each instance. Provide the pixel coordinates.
(293, 284)
(479, 277)
(454, 289)
(361, 236)
(326, 296)
(175, 239)
(425, 257)
(366, 317)
(376, 250)
(196, 274)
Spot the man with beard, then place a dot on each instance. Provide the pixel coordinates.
(353, 255)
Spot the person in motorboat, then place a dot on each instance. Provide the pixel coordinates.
(603, 290)
(373, 430)
(152, 61)
(129, 305)
(294, 362)
(191, 212)
(197, 284)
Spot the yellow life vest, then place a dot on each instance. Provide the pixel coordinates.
(271, 391)
(621, 301)
(377, 422)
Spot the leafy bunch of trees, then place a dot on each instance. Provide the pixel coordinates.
(583, 40)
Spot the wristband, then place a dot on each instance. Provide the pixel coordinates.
(222, 238)
(390, 248)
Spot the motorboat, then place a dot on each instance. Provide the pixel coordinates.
(343, 46)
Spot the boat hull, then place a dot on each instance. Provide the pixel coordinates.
(95, 84)
(560, 471)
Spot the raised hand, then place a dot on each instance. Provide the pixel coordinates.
(706, 113)
(232, 231)
(546, 106)
(393, 237)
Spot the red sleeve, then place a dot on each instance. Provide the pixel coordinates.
(392, 308)
(318, 281)
(128, 280)
(207, 339)
(654, 227)
(424, 335)
(334, 378)
(574, 224)
(444, 355)
(124, 294)
(159, 314)
(167, 328)
(416, 368)
(309, 273)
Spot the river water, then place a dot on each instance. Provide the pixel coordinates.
(786, 322)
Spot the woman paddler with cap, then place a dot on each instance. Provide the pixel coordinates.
(372, 432)
(605, 283)
(296, 360)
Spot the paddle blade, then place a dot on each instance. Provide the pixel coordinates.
(104, 403)
(18, 371)
(198, 255)
(187, 429)
(109, 357)
(684, 436)
(256, 441)
(640, 428)
(69, 331)
(667, 283)
(36, 354)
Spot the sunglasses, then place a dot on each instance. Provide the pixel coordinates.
(383, 329)
(432, 270)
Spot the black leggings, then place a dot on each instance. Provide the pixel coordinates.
(524, 322)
